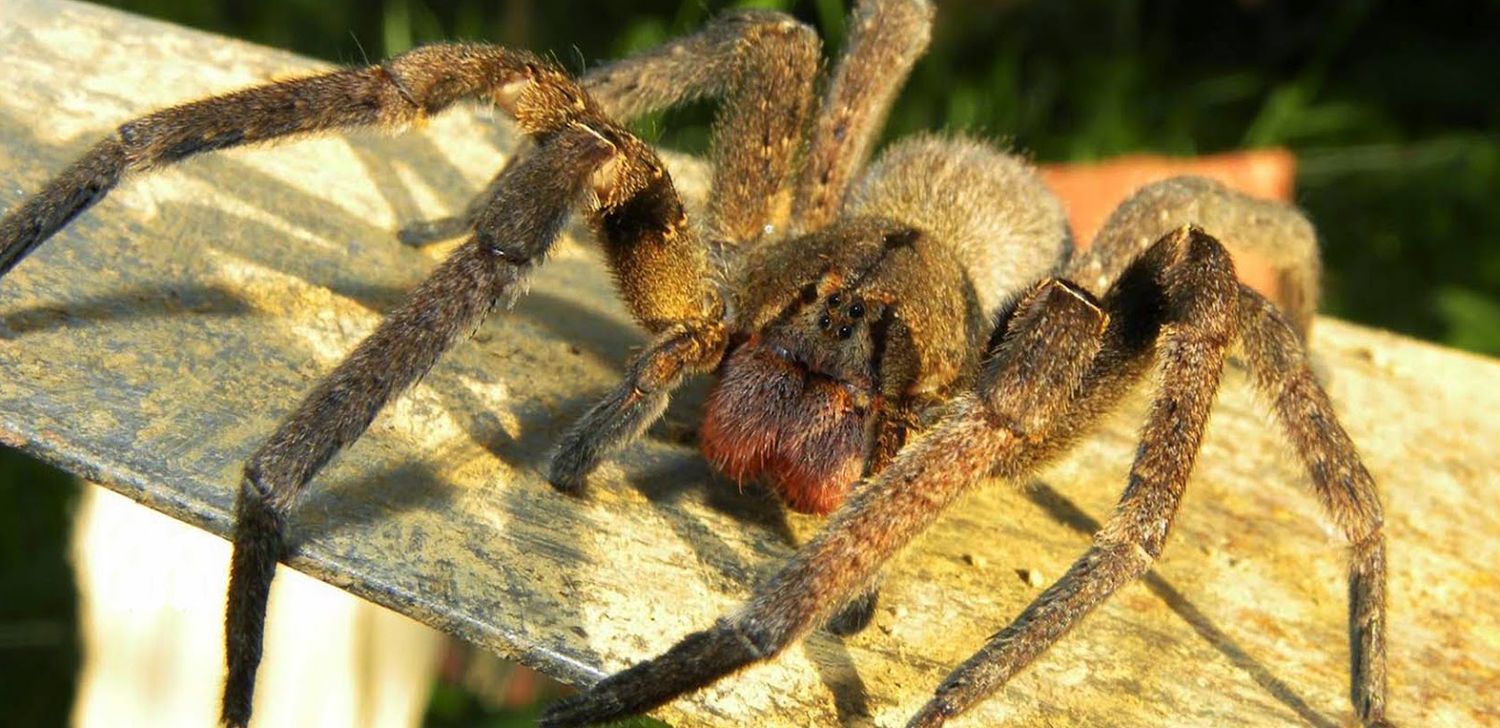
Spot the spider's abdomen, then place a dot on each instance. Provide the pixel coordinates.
(989, 209)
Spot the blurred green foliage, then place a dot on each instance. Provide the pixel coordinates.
(38, 636)
(1390, 107)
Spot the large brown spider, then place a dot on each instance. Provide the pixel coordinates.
(846, 307)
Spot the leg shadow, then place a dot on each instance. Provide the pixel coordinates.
(1069, 514)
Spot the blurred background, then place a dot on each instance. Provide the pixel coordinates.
(1389, 107)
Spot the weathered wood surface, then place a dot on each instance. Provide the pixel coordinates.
(151, 345)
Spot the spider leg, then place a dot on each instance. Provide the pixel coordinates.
(426, 232)
(890, 433)
(885, 38)
(632, 406)
(1271, 339)
(393, 94)
(1343, 486)
(709, 63)
(1005, 422)
(448, 305)
(648, 244)
(659, 265)
(1271, 232)
(1197, 327)
(761, 65)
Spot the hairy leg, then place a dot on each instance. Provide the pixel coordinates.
(447, 306)
(1198, 324)
(1004, 421)
(1343, 486)
(393, 94)
(637, 402)
(885, 39)
(761, 65)
(658, 262)
(1271, 336)
(704, 64)
(1270, 232)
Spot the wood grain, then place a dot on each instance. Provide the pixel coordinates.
(152, 344)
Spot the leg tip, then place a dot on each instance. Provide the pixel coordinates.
(583, 709)
(235, 714)
(932, 715)
(568, 475)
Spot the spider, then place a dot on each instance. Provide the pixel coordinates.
(885, 333)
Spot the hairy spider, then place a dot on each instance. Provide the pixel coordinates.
(847, 308)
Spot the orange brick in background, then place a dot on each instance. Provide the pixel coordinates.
(1091, 191)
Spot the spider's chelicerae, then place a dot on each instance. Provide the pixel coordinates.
(885, 334)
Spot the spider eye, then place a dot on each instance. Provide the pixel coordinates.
(857, 310)
(834, 299)
(899, 238)
(824, 322)
(845, 332)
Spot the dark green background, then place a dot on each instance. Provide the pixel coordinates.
(1391, 108)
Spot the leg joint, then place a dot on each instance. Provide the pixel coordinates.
(1372, 539)
(251, 484)
(759, 642)
(1132, 553)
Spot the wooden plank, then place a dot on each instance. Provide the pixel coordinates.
(152, 344)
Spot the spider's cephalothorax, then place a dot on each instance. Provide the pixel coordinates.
(885, 335)
(852, 331)
(854, 328)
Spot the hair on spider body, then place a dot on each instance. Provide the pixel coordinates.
(916, 325)
(889, 317)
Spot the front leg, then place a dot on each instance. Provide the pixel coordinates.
(450, 304)
(638, 401)
(392, 95)
(763, 65)
(1197, 323)
(580, 155)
